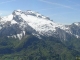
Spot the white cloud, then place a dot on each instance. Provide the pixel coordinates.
(7, 1)
(48, 2)
(76, 4)
(49, 8)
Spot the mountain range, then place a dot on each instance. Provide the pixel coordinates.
(29, 35)
(19, 23)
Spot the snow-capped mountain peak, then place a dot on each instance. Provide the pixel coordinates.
(33, 13)
(19, 23)
(41, 24)
(17, 12)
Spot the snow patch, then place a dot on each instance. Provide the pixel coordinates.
(18, 35)
(76, 24)
(77, 36)
(36, 35)
(13, 22)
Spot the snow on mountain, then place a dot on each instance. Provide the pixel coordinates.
(77, 23)
(41, 24)
(38, 23)
(31, 21)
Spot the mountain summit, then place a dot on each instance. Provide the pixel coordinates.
(20, 23)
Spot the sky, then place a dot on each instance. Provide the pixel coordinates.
(60, 11)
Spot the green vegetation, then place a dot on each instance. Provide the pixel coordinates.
(32, 48)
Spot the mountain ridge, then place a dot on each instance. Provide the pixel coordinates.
(35, 23)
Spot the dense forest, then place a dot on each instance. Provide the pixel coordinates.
(32, 48)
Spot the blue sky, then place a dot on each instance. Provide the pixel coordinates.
(60, 11)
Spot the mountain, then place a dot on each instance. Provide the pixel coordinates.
(29, 35)
(28, 21)
(19, 23)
